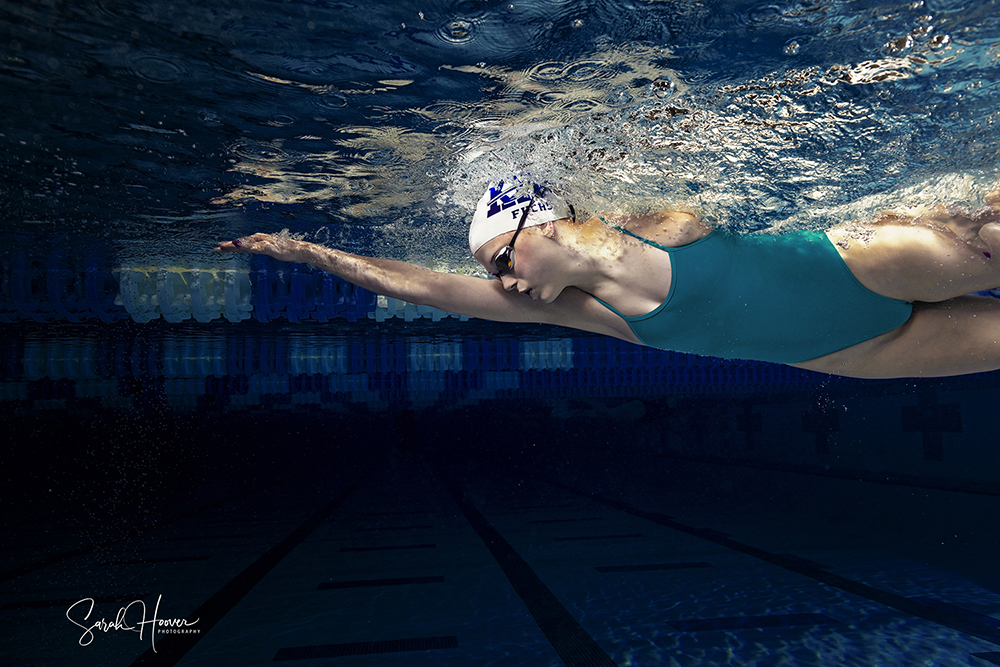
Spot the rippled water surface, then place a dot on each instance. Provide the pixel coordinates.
(151, 129)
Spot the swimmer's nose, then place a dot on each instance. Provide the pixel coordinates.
(509, 282)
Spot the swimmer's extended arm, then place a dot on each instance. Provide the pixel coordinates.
(453, 293)
(400, 280)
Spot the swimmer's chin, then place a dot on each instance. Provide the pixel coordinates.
(536, 295)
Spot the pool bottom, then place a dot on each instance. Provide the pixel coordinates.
(454, 555)
(819, 522)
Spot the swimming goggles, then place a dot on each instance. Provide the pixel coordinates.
(504, 259)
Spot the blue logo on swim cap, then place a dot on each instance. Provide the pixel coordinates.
(501, 199)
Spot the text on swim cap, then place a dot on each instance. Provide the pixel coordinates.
(501, 200)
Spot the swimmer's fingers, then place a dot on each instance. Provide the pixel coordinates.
(255, 244)
(227, 246)
(278, 247)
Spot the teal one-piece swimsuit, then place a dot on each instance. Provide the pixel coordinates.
(787, 299)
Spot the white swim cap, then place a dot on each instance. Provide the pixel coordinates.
(500, 209)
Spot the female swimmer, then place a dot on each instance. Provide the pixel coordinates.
(880, 300)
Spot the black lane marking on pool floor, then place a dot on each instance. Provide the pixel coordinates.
(990, 656)
(366, 583)
(391, 548)
(961, 611)
(652, 567)
(803, 560)
(171, 648)
(365, 648)
(746, 622)
(934, 614)
(571, 642)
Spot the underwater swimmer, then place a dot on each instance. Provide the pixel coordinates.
(878, 300)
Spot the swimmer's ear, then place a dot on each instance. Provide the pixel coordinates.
(548, 229)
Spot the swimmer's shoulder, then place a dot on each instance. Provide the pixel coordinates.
(672, 229)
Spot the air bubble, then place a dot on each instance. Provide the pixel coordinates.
(620, 98)
(158, 70)
(281, 120)
(379, 157)
(457, 31)
(940, 41)
(331, 101)
(257, 151)
(899, 45)
(662, 87)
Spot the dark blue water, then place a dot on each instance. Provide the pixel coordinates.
(307, 471)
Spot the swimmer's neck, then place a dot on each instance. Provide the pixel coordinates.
(603, 261)
(607, 260)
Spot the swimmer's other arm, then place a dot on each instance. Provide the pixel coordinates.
(453, 293)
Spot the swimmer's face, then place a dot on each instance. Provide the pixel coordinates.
(531, 272)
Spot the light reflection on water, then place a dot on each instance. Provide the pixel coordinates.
(393, 119)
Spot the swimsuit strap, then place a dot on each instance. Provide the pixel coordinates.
(654, 244)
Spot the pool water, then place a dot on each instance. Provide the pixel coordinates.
(295, 469)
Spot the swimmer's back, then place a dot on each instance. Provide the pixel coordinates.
(671, 229)
(788, 298)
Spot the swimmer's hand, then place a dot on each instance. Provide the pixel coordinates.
(278, 247)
